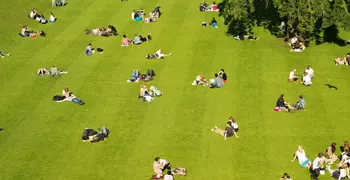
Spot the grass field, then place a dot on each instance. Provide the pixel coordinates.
(42, 139)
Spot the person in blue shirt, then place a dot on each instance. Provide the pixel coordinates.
(89, 50)
(300, 103)
(217, 82)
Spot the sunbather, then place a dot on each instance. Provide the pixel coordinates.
(340, 61)
(42, 72)
(158, 55)
(3, 54)
(126, 41)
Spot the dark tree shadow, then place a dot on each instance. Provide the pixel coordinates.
(331, 35)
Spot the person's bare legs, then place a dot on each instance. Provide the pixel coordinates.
(218, 131)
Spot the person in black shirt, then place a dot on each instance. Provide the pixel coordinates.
(228, 132)
(286, 177)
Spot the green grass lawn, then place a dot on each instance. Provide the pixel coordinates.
(42, 139)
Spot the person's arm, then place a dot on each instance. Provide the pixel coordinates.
(295, 156)
(65, 99)
(225, 135)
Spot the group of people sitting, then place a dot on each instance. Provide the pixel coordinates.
(220, 79)
(213, 23)
(40, 18)
(139, 15)
(157, 55)
(52, 72)
(205, 7)
(317, 166)
(26, 32)
(148, 95)
(3, 54)
(136, 76)
(68, 96)
(58, 3)
(90, 135)
(138, 39)
(230, 129)
(297, 45)
(106, 32)
(89, 50)
(282, 105)
(307, 76)
(342, 61)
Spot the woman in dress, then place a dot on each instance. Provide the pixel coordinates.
(301, 155)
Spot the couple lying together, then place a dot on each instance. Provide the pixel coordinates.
(110, 31)
(138, 39)
(90, 135)
(148, 94)
(68, 96)
(220, 79)
(282, 105)
(136, 76)
(343, 61)
(52, 72)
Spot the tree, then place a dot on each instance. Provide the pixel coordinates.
(308, 18)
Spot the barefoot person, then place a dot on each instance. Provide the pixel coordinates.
(228, 132)
(301, 155)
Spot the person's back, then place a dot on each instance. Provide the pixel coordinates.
(137, 40)
(54, 71)
(307, 80)
(218, 82)
(229, 131)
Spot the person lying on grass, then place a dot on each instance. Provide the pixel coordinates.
(52, 18)
(228, 132)
(200, 80)
(42, 72)
(144, 39)
(90, 135)
(341, 61)
(3, 54)
(157, 55)
(70, 97)
(217, 82)
(136, 76)
(55, 71)
(241, 37)
(137, 40)
(306, 79)
(302, 159)
(292, 77)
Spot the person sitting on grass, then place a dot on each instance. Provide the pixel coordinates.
(317, 165)
(228, 132)
(25, 32)
(42, 72)
(34, 14)
(286, 177)
(292, 76)
(217, 82)
(155, 92)
(137, 15)
(3, 54)
(341, 61)
(205, 4)
(137, 40)
(201, 7)
(301, 156)
(293, 41)
(214, 23)
(223, 76)
(298, 47)
(145, 94)
(300, 105)
(341, 173)
(52, 18)
(200, 80)
(281, 105)
(214, 7)
(306, 79)
(89, 50)
(126, 41)
(144, 39)
(310, 71)
(330, 153)
(234, 125)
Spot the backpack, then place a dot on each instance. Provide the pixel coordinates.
(156, 91)
(179, 171)
(58, 98)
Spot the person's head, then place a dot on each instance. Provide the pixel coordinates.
(294, 70)
(214, 2)
(51, 13)
(301, 97)
(66, 89)
(300, 148)
(320, 154)
(228, 123)
(308, 67)
(281, 96)
(90, 45)
(216, 75)
(346, 143)
(222, 70)
(285, 175)
(156, 159)
(124, 36)
(333, 146)
(213, 18)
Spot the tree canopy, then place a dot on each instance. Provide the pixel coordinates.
(308, 18)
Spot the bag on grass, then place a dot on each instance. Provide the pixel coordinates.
(58, 98)
(179, 171)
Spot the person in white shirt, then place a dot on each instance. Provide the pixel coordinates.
(317, 164)
(301, 155)
(293, 41)
(160, 55)
(169, 176)
(310, 71)
(52, 18)
(342, 173)
(292, 76)
(306, 79)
